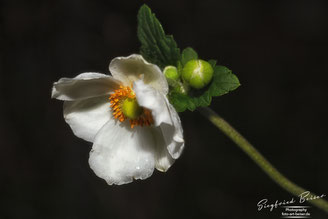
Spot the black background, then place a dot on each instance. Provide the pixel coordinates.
(277, 49)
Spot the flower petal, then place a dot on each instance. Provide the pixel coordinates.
(173, 137)
(164, 114)
(155, 101)
(163, 159)
(121, 154)
(84, 86)
(86, 117)
(134, 67)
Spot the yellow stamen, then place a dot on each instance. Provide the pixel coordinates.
(125, 106)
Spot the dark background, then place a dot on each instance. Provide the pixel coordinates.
(277, 49)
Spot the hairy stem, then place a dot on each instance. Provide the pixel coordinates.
(256, 156)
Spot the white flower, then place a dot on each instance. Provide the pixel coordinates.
(127, 116)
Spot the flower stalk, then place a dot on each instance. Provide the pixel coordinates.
(258, 158)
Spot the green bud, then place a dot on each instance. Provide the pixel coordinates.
(171, 72)
(131, 108)
(181, 88)
(197, 73)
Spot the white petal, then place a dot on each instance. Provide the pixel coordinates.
(163, 159)
(173, 137)
(121, 154)
(134, 67)
(155, 101)
(86, 117)
(84, 86)
(164, 115)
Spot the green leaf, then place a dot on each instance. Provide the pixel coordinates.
(223, 82)
(156, 47)
(187, 55)
(212, 62)
(161, 49)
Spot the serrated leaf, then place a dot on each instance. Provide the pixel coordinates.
(156, 47)
(162, 50)
(223, 82)
(181, 102)
(187, 55)
(212, 62)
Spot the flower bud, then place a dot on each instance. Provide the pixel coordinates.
(171, 72)
(197, 73)
(181, 88)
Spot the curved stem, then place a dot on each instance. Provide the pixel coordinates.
(256, 156)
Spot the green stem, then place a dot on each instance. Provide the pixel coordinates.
(256, 156)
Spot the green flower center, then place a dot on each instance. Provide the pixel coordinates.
(131, 108)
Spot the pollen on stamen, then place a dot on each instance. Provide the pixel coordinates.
(116, 101)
